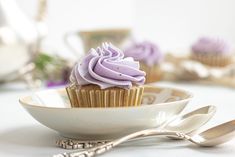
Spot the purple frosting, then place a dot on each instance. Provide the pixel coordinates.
(146, 52)
(207, 45)
(107, 67)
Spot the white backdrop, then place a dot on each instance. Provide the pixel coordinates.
(173, 24)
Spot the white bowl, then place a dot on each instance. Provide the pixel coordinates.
(54, 111)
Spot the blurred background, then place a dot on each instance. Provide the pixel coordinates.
(172, 25)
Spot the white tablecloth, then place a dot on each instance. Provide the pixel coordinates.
(21, 135)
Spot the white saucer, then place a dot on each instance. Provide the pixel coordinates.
(54, 111)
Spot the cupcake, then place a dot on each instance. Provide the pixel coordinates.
(149, 56)
(211, 52)
(104, 78)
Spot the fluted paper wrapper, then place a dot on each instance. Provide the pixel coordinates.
(153, 73)
(212, 60)
(93, 96)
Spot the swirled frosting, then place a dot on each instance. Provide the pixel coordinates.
(146, 52)
(206, 45)
(107, 67)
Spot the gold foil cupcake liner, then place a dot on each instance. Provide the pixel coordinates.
(212, 60)
(93, 96)
(153, 73)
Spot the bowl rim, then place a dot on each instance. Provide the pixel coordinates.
(23, 102)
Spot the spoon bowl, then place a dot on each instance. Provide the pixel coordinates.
(184, 123)
(216, 135)
(199, 117)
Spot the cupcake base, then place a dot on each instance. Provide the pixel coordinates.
(153, 73)
(212, 60)
(93, 96)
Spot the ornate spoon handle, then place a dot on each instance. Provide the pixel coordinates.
(106, 147)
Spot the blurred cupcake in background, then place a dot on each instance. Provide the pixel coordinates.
(149, 56)
(212, 52)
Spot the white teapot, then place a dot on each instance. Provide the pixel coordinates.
(19, 38)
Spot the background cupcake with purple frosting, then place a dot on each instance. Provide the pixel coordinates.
(150, 56)
(105, 78)
(211, 51)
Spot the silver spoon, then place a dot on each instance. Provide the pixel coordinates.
(211, 137)
(184, 123)
(181, 123)
(190, 123)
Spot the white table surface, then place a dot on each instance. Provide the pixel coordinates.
(21, 135)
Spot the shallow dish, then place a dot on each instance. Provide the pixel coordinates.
(52, 109)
